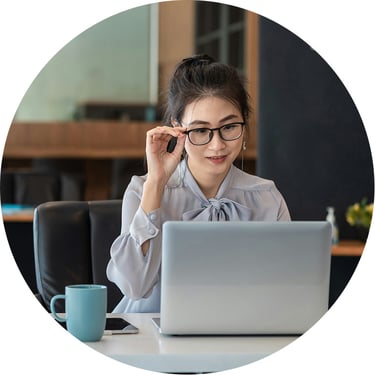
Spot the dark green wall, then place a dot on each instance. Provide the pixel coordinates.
(312, 141)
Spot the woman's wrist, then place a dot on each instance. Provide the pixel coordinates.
(152, 195)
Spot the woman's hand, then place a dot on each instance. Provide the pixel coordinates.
(161, 163)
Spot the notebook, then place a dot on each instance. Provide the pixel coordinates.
(241, 278)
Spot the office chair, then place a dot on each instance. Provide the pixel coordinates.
(29, 187)
(6, 187)
(72, 240)
(122, 171)
(33, 187)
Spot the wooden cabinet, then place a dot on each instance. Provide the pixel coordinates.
(76, 139)
(96, 143)
(94, 139)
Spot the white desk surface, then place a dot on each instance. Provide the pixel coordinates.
(150, 350)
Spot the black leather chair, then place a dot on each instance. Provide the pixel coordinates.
(122, 171)
(29, 187)
(33, 187)
(72, 240)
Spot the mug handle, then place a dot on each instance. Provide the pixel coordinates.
(52, 307)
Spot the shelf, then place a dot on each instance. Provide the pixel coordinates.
(81, 139)
(77, 139)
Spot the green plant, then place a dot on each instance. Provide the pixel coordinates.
(359, 214)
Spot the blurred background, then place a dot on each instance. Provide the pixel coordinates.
(79, 131)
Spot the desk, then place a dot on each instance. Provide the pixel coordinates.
(26, 216)
(150, 350)
(348, 248)
(17, 213)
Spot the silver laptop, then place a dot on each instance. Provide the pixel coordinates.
(244, 277)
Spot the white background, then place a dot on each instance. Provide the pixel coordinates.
(31, 32)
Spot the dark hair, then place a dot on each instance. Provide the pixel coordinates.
(200, 76)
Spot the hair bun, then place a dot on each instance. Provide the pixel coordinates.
(198, 60)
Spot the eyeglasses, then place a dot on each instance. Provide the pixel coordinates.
(228, 132)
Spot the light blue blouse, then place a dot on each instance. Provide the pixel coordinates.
(241, 196)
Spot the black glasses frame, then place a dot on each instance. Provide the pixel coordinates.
(211, 130)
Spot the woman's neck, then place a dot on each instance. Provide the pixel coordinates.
(209, 190)
(208, 183)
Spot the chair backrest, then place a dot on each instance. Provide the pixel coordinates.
(72, 243)
(7, 187)
(34, 187)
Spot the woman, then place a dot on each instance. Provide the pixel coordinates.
(207, 117)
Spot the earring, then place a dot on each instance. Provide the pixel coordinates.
(243, 149)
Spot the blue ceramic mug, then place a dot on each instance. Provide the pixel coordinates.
(86, 308)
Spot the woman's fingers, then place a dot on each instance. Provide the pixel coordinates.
(160, 162)
(180, 144)
(161, 131)
(158, 137)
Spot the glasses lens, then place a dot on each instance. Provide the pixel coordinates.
(199, 136)
(231, 132)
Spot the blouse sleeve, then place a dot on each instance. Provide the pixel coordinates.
(283, 214)
(134, 273)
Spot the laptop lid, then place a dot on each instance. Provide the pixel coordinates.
(244, 277)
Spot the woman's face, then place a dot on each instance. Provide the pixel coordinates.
(216, 157)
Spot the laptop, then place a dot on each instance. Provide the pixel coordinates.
(244, 278)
